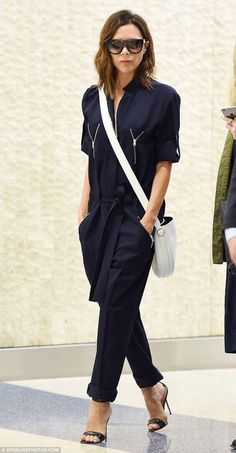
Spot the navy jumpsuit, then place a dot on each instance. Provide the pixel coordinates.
(117, 250)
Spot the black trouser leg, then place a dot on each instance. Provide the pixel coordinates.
(139, 357)
(230, 313)
(120, 333)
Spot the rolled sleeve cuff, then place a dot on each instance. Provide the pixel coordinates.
(230, 233)
(168, 150)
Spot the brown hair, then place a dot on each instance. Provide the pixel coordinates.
(103, 61)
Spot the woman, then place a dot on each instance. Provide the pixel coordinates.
(115, 232)
(229, 225)
(226, 194)
(230, 235)
(226, 229)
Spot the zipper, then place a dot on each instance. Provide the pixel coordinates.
(116, 129)
(93, 139)
(116, 123)
(134, 144)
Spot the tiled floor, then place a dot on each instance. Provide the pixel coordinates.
(52, 413)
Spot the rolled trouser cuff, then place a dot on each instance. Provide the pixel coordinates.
(230, 341)
(100, 394)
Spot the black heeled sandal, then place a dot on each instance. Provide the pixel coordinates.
(233, 445)
(159, 421)
(102, 437)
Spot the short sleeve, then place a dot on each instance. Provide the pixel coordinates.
(167, 142)
(85, 142)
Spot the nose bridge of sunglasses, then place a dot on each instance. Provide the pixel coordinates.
(125, 46)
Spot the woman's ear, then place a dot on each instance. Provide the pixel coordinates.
(145, 47)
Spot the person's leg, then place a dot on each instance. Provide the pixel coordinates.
(230, 317)
(98, 416)
(121, 333)
(146, 375)
(116, 322)
(230, 313)
(124, 288)
(139, 357)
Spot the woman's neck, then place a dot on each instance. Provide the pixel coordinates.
(121, 81)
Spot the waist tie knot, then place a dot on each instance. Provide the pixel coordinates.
(120, 199)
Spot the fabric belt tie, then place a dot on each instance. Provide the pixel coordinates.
(108, 242)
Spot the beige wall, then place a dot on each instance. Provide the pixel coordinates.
(46, 64)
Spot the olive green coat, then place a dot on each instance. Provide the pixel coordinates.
(221, 195)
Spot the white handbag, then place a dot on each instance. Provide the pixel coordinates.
(165, 234)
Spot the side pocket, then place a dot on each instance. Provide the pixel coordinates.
(149, 236)
(82, 222)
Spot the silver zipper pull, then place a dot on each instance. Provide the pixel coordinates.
(134, 145)
(93, 146)
(93, 139)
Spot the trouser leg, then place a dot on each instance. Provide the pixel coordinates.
(119, 324)
(116, 319)
(230, 313)
(139, 357)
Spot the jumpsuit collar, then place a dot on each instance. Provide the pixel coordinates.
(132, 85)
(129, 89)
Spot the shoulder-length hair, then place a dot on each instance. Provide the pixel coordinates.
(103, 60)
(232, 93)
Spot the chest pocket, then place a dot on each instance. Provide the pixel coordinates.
(140, 143)
(93, 135)
(135, 135)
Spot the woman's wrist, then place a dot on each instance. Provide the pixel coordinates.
(151, 216)
(82, 214)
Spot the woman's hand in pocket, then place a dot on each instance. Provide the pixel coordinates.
(81, 217)
(148, 222)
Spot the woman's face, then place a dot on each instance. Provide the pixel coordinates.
(127, 62)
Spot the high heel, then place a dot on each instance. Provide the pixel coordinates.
(102, 437)
(158, 421)
(165, 402)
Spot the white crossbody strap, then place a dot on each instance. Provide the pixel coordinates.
(120, 154)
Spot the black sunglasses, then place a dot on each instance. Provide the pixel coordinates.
(115, 46)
